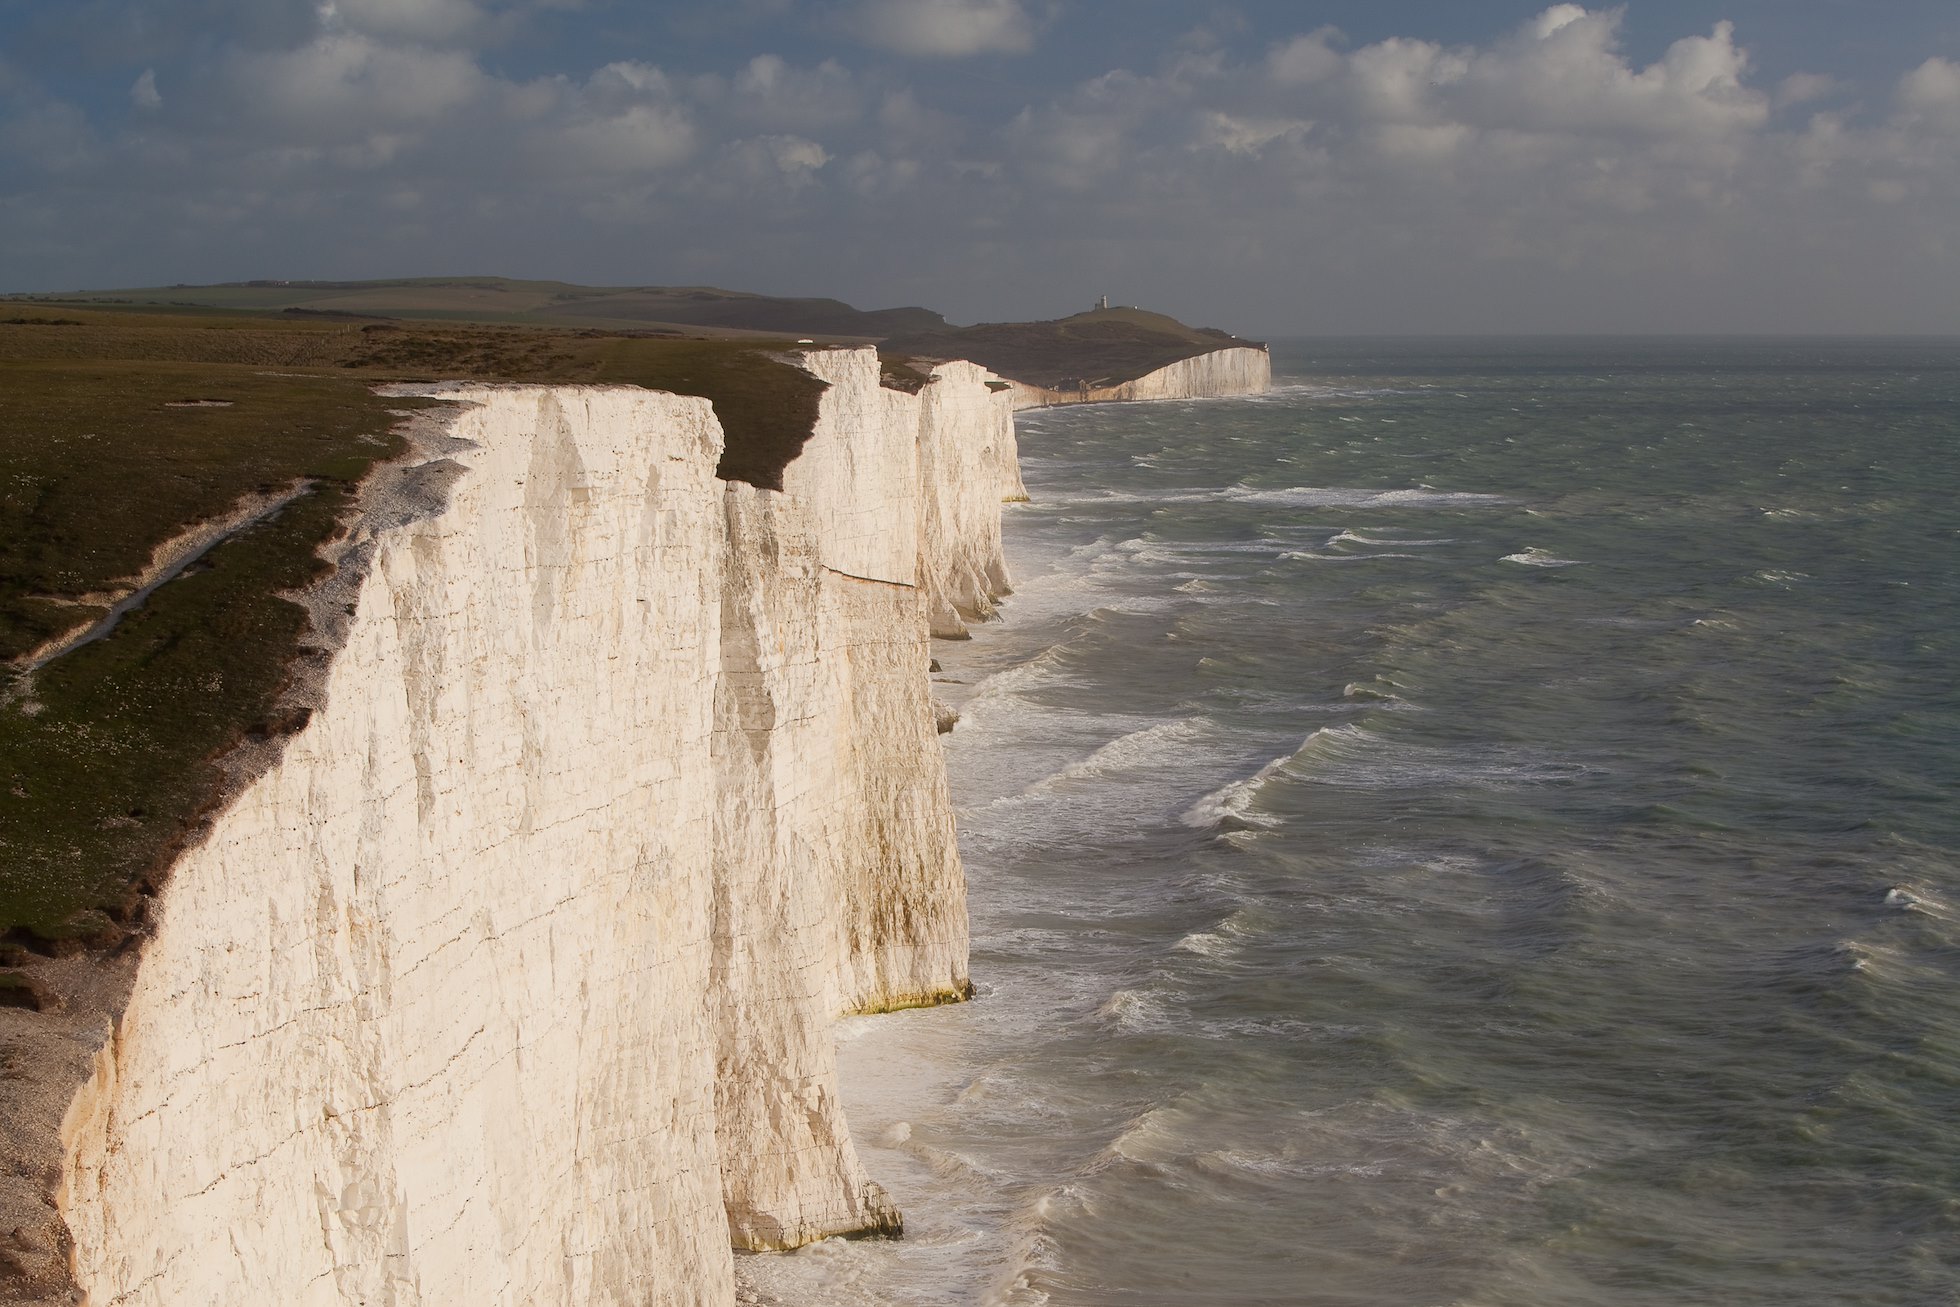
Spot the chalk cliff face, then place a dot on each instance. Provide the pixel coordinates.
(511, 979)
(968, 464)
(1242, 370)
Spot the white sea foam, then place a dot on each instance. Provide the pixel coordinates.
(1881, 961)
(1290, 497)
(1152, 748)
(1277, 1028)
(1224, 939)
(1350, 756)
(1205, 943)
(1373, 694)
(1351, 537)
(1234, 801)
(1181, 554)
(1124, 497)
(1043, 669)
(1297, 390)
(1535, 557)
(1310, 556)
(1135, 606)
(1282, 1166)
(1147, 1139)
(1341, 497)
(1131, 1010)
(1921, 900)
(1455, 864)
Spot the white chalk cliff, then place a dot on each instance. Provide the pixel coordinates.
(1237, 370)
(512, 979)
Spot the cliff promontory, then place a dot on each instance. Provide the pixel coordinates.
(503, 967)
(511, 979)
(1107, 355)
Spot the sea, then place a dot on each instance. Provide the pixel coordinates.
(1478, 825)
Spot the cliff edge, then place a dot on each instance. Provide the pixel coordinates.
(511, 978)
(506, 970)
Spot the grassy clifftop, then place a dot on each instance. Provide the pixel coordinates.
(1099, 348)
(681, 310)
(128, 425)
(122, 431)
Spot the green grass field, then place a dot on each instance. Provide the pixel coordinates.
(691, 310)
(108, 753)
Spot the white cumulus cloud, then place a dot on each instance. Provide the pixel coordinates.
(1567, 72)
(789, 161)
(772, 92)
(794, 154)
(343, 85)
(943, 29)
(144, 94)
(640, 139)
(1305, 60)
(1802, 88)
(1930, 93)
(414, 20)
(1247, 135)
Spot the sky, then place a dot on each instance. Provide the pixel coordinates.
(1354, 166)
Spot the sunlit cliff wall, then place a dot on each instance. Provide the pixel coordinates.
(1222, 373)
(512, 979)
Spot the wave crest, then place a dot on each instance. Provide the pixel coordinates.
(1533, 556)
(1233, 802)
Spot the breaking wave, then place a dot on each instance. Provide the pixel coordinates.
(1535, 557)
(1234, 802)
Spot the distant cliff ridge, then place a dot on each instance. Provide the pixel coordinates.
(507, 972)
(1221, 373)
(1089, 355)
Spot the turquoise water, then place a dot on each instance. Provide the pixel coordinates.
(1476, 826)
